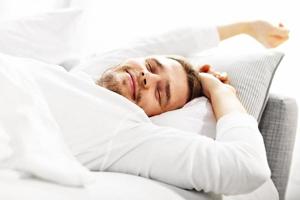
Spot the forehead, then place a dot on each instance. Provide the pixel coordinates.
(174, 72)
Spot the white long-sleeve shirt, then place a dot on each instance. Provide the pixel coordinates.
(106, 131)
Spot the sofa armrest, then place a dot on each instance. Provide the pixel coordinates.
(278, 126)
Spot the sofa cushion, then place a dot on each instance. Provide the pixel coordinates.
(278, 126)
(250, 73)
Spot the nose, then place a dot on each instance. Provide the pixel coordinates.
(148, 80)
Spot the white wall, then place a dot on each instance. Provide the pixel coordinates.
(16, 8)
(113, 22)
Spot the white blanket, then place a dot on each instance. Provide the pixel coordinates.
(30, 139)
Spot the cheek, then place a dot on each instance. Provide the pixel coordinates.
(148, 104)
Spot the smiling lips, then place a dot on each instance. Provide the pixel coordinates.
(132, 86)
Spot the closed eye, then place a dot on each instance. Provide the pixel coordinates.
(152, 68)
(159, 96)
(149, 66)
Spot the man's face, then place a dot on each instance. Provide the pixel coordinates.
(157, 84)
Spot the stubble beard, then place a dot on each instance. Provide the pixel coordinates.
(109, 81)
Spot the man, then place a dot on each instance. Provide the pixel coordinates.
(162, 83)
(234, 163)
(107, 131)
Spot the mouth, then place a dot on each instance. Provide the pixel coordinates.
(132, 85)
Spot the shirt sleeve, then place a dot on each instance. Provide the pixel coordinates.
(234, 163)
(183, 41)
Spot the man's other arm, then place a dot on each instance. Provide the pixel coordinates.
(265, 33)
(234, 163)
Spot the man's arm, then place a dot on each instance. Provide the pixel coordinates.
(234, 163)
(268, 35)
(222, 96)
(184, 41)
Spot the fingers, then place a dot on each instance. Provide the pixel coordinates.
(275, 41)
(223, 77)
(278, 36)
(281, 31)
(204, 68)
(217, 74)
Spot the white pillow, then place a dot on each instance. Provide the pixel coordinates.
(196, 116)
(251, 74)
(50, 37)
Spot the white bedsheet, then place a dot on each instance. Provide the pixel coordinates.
(30, 139)
(111, 186)
(108, 186)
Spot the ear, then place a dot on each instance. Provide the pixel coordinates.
(204, 68)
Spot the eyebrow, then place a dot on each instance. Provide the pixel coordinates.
(158, 63)
(167, 87)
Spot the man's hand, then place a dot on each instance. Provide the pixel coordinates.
(222, 76)
(222, 96)
(211, 84)
(268, 35)
(212, 80)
